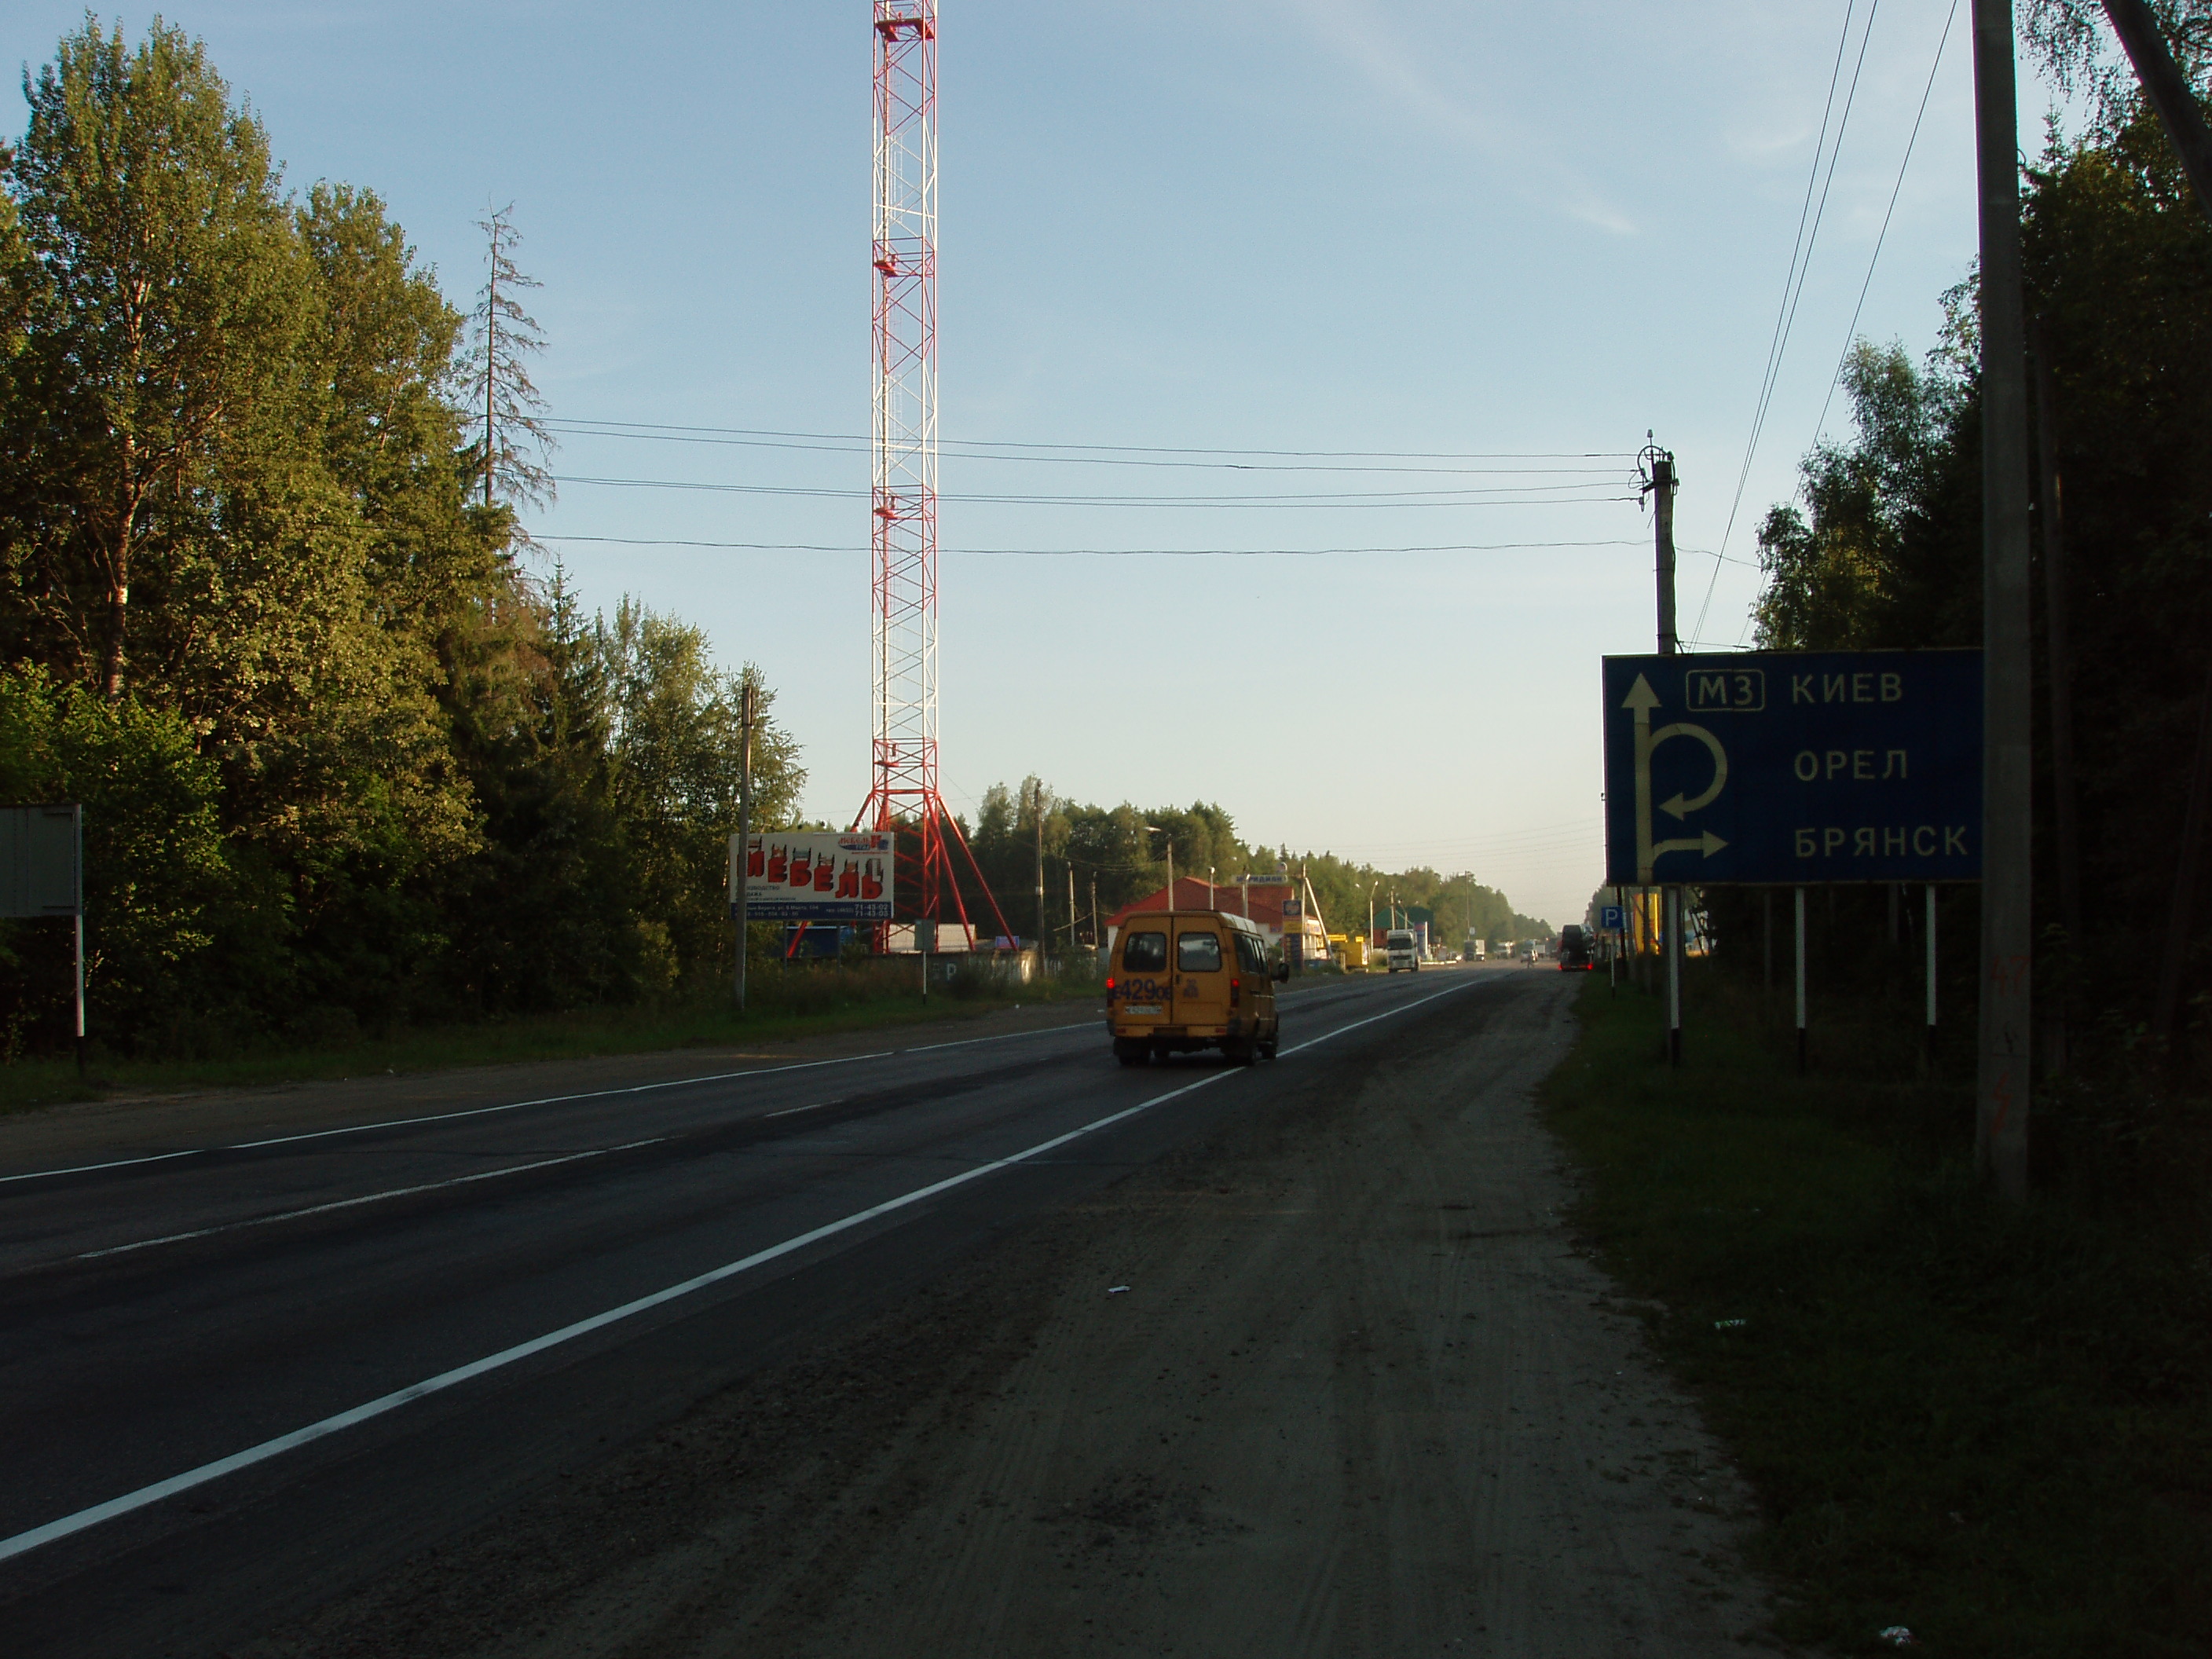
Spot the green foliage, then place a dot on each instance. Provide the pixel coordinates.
(1886, 549)
(345, 762)
(159, 882)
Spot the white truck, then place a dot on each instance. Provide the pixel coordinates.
(1402, 948)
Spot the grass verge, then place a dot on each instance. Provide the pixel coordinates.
(811, 1002)
(1989, 1425)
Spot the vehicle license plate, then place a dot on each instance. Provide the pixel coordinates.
(1144, 1008)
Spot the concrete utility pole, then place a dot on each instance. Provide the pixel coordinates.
(742, 863)
(2002, 1075)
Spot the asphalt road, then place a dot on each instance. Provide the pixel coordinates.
(239, 1377)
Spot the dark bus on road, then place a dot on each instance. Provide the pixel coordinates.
(1575, 951)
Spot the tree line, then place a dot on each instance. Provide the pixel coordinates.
(1882, 548)
(1119, 853)
(345, 760)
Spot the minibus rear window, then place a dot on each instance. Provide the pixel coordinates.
(1198, 953)
(1145, 953)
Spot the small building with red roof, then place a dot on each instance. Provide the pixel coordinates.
(1260, 903)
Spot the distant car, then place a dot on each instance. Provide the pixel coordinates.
(1575, 956)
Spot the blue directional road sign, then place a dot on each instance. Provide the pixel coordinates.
(1794, 767)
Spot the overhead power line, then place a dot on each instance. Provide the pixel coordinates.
(605, 430)
(862, 441)
(1499, 495)
(1810, 217)
(1099, 552)
(1851, 333)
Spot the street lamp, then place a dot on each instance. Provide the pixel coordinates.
(1158, 830)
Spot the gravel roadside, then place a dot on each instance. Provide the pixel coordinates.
(1361, 1395)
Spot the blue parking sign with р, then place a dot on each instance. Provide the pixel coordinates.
(1613, 918)
(1794, 767)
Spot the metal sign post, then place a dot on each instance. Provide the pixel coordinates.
(1801, 979)
(1932, 973)
(1674, 975)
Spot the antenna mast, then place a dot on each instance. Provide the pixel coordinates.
(903, 780)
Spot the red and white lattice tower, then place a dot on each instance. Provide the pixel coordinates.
(902, 780)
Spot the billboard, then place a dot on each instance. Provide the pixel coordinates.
(1789, 768)
(41, 860)
(822, 875)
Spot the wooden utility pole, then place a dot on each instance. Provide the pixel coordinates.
(740, 864)
(1670, 644)
(2003, 1074)
(1662, 525)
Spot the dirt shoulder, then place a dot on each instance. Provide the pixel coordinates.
(45, 1136)
(1361, 1394)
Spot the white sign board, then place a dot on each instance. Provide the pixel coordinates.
(815, 876)
(41, 872)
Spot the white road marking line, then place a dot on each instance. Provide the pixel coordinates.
(23, 1542)
(366, 1198)
(1090, 1024)
(520, 1105)
(448, 1117)
(815, 1107)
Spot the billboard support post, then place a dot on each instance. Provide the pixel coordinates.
(738, 855)
(80, 993)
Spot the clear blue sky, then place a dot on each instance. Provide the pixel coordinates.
(1376, 225)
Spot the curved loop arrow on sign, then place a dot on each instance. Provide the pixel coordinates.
(1678, 806)
(1640, 702)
